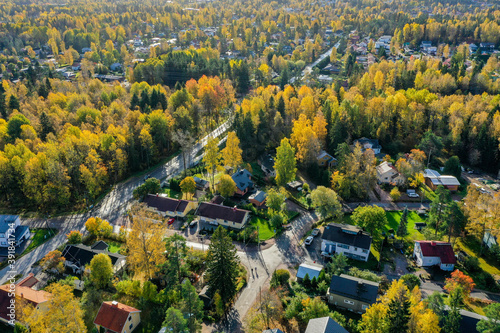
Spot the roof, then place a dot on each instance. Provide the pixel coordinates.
(324, 325)
(384, 167)
(33, 297)
(322, 154)
(274, 330)
(5, 220)
(267, 161)
(29, 281)
(113, 315)
(243, 179)
(449, 181)
(311, 270)
(164, 204)
(20, 230)
(429, 173)
(354, 288)
(213, 211)
(217, 200)
(438, 179)
(200, 182)
(82, 255)
(259, 196)
(347, 234)
(373, 142)
(100, 245)
(442, 250)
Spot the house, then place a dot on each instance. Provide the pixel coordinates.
(11, 231)
(434, 253)
(226, 216)
(309, 270)
(368, 144)
(25, 289)
(295, 185)
(326, 160)
(266, 163)
(487, 47)
(258, 198)
(76, 66)
(350, 240)
(201, 184)
(324, 325)
(473, 48)
(117, 318)
(425, 45)
(100, 245)
(115, 67)
(78, 256)
(243, 180)
(388, 174)
(490, 240)
(352, 293)
(433, 179)
(168, 206)
(206, 297)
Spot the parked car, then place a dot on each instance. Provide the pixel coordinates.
(171, 221)
(315, 232)
(309, 240)
(413, 195)
(213, 222)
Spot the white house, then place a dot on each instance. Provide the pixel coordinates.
(433, 253)
(387, 174)
(10, 227)
(350, 240)
(368, 144)
(490, 240)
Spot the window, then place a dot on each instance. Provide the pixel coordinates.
(364, 307)
(131, 325)
(343, 246)
(129, 318)
(365, 251)
(348, 302)
(355, 249)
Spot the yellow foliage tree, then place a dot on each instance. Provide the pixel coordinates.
(231, 154)
(304, 140)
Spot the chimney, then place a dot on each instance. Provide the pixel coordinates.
(234, 208)
(22, 295)
(433, 243)
(114, 303)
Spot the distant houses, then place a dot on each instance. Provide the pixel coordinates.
(350, 240)
(11, 230)
(170, 207)
(352, 293)
(433, 179)
(231, 217)
(434, 253)
(366, 143)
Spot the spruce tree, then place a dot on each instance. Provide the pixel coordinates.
(14, 103)
(452, 319)
(399, 313)
(222, 265)
(403, 224)
(3, 107)
(134, 102)
(46, 125)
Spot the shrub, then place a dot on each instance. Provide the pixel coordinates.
(471, 264)
(74, 237)
(395, 194)
(280, 278)
(411, 281)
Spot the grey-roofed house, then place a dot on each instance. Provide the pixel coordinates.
(433, 179)
(166, 206)
(324, 325)
(201, 184)
(231, 217)
(243, 180)
(347, 239)
(352, 293)
(258, 198)
(100, 245)
(78, 256)
(368, 144)
(267, 165)
(12, 230)
(310, 270)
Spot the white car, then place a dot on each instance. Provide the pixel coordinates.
(413, 195)
(315, 232)
(309, 240)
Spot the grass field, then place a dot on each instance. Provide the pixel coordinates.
(265, 230)
(41, 236)
(474, 249)
(395, 217)
(114, 247)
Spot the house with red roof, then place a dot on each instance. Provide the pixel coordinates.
(115, 317)
(433, 253)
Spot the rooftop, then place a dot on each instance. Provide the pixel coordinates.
(113, 315)
(309, 269)
(213, 211)
(164, 204)
(243, 179)
(354, 288)
(324, 325)
(81, 255)
(258, 196)
(442, 250)
(347, 234)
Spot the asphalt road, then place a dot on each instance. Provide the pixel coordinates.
(112, 208)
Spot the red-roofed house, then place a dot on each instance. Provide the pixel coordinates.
(23, 289)
(116, 317)
(431, 253)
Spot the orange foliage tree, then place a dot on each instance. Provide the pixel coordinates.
(460, 280)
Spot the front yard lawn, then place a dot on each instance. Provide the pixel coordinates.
(473, 248)
(395, 217)
(41, 236)
(114, 247)
(265, 230)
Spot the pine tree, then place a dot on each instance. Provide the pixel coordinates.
(281, 106)
(134, 102)
(452, 319)
(144, 100)
(3, 107)
(14, 103)
(46, 125)
(222, 265)
(399, 313)
(403, 224)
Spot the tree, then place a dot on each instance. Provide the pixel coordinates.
(460, 281)
(395, 194)
(174, 269)
(280, 278)
(370, 218)
(313, 308)
(188, 187)
(74, 237)
(146, 246)
(403, 225)
(191, 305)
(285, 164)
(222, 265)
(275, 200)
(101, 270)
(338, 264)
(226, 186)
(53, 259)
(62, 312)
(431, 144)
(453, 167)
(374, 320)
(98, 227)
(150, 186)
(333, 55)
(14, 126)
(231, 154)
(492, 324)
(186, 141)
(451, 322)
(212, 157)
(435, 303)
(438, 207)
(326, 201)
(411, 281)
(399, 311)
(174, 321)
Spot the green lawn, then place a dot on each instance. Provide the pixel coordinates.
(114, 247)
(395, 217)
(172, 193)
(473, 249)
(265, 230)
(41, 236)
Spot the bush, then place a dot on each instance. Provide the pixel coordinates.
(471, 264)
(411, 281)
(74, 237)
(280, 278)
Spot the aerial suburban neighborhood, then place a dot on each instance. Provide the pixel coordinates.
(249, 166)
